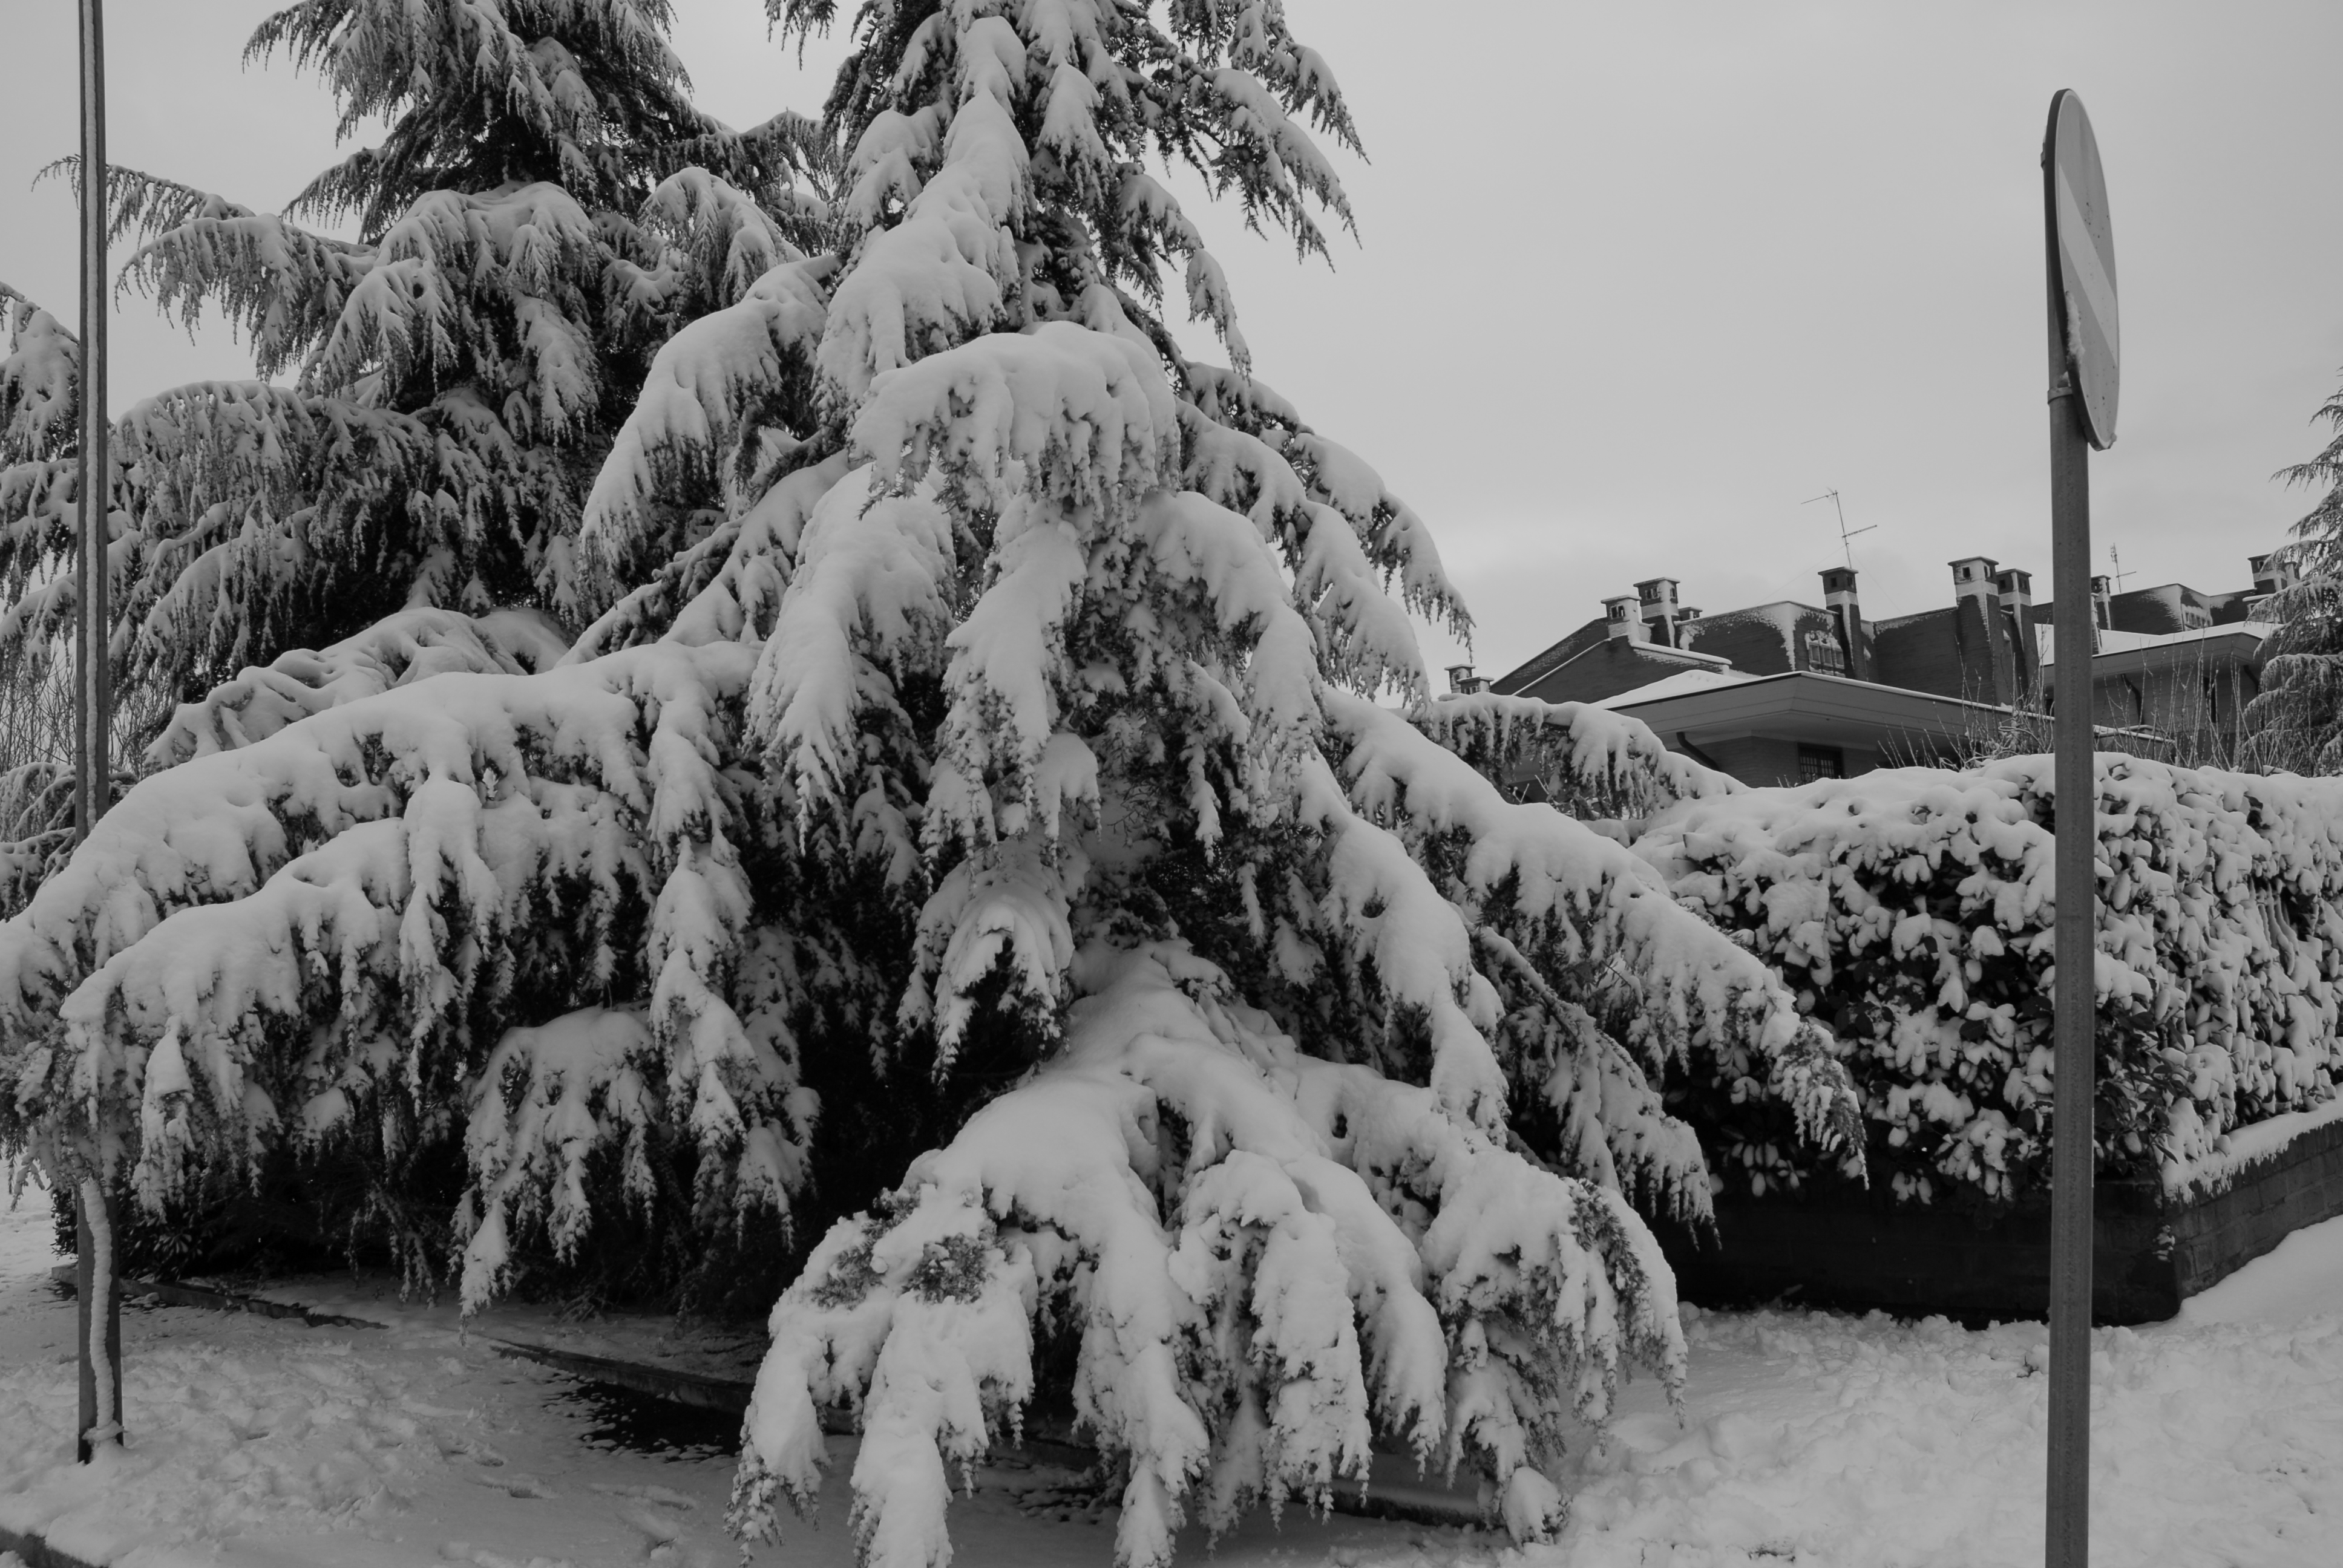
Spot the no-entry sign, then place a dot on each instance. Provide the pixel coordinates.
(2077, 194)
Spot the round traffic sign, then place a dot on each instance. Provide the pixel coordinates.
(2074, 193)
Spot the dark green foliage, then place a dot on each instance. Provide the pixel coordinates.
(2297, 721)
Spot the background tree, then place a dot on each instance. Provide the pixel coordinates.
(1005, 773)
(40, 424)
(453, 374)
(2296, 722)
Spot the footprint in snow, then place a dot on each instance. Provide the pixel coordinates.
(479, 1557)
(664, 1496)
(527, 1486)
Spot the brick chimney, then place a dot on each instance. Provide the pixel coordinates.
(1622, 619)
(2273, 573)
(1838, 598)
(2103, 594)
(2016, 585)
(1973, 577)
(1658, 600)
(1978, 632)
(1463, 683)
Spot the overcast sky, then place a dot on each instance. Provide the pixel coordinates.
(1633, 281)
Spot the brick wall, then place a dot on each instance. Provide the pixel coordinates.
(1754, 759)
(1755, 645)
(2214, 1238)
(1516, 681)
(1765, 761)
(1917, 652)
(2163, 609)
(1607, 669)
(1858, 1249)
(1958, 651)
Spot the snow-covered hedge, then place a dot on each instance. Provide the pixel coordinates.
(1912, 909)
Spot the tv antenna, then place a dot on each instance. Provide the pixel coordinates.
(2116, 574)
(1845, 534)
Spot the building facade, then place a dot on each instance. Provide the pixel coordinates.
(1786, 692)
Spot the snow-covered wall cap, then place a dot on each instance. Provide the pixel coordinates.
(2112, 642)
(2230, 1155)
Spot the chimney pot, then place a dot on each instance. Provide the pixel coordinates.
(1658, 599)
(2273, 572)
(1972, 575)
(1622, 620)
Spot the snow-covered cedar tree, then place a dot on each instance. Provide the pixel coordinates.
(40, 410)
(1015, 761)
(2296, 722)
(436, 393)
(1912, 908)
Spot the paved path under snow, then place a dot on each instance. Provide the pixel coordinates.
(264, 1442)
(1809, 1441)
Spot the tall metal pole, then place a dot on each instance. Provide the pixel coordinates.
(2068, 1526)
(2067, 1521)
(93, 708)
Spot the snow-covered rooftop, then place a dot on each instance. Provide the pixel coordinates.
(1682, 684)
(2111, 641)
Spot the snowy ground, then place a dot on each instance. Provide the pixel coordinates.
(1808, 1440)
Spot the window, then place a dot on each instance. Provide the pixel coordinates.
(1820, 763)
(1824, 653)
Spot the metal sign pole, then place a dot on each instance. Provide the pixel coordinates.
(2068, 1531)
(2083, 358)
(93, 710)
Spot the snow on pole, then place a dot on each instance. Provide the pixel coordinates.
(101, 1342)
(100, 1292)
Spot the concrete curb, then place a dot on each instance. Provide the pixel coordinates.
(37, 1552)
(174, 1294)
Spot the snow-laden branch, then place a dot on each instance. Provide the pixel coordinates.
(413, 645)
(40, 383)
(317, 924)
(696, 404)
(1584, 905)
(1591, 762)
(1346, 1257)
